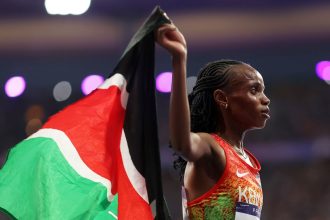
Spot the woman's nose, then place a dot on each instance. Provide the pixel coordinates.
(265, 100)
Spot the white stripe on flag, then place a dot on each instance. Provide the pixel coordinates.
(119, 81)
(133, 174)
(113, 215)
(71, 155)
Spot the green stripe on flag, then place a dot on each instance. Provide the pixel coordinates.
(37, 182)
(111, 213)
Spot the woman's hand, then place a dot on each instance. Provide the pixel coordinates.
(169, 37)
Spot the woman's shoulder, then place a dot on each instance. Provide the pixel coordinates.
(214, 141)
(211, 138)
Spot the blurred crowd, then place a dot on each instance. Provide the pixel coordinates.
(297, 191)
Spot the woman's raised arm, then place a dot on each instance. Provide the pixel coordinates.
(189, 145)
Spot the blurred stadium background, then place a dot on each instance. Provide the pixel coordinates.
(284, 40)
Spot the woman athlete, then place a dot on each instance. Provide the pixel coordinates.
(220, 177)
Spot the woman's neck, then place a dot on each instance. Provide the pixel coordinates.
(234, 139)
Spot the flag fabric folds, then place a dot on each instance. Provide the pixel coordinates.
(99, 157)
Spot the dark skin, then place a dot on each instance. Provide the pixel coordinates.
(243, 105)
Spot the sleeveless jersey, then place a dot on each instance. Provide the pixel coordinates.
(236, 196)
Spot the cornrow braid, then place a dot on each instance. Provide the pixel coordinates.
(204, 115)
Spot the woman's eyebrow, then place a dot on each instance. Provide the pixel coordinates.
(258, 84)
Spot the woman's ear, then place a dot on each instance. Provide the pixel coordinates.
(220, 98)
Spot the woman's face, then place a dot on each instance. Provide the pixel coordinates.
(247, 102)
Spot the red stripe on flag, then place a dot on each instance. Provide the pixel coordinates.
(94, 125)
(131, 204)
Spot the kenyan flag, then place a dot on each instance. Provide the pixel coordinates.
(99, 157)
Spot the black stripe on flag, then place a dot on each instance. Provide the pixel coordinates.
(140, 126)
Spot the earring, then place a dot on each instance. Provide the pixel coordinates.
(226, 105)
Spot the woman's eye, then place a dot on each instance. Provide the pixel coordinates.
(253, 90)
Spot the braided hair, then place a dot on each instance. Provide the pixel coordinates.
(204, 115)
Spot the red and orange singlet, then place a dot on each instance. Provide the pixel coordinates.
(236, 196)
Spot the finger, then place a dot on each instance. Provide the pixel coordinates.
(167, 27)
(164, 29)
(174, 36)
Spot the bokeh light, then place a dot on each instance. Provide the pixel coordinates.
(66, 7)
(15, 86)
(62, 91)
(90, 83)
(326, 73)
(33, 126)
(164, 82)
(33, 117)
(34, 111)
(323, 70)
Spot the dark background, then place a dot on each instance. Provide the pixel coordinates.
(282, 39)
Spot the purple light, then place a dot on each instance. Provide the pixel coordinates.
(164, 82)
(15, 86)
(326, 73)
(323, 70)
(90, 83)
